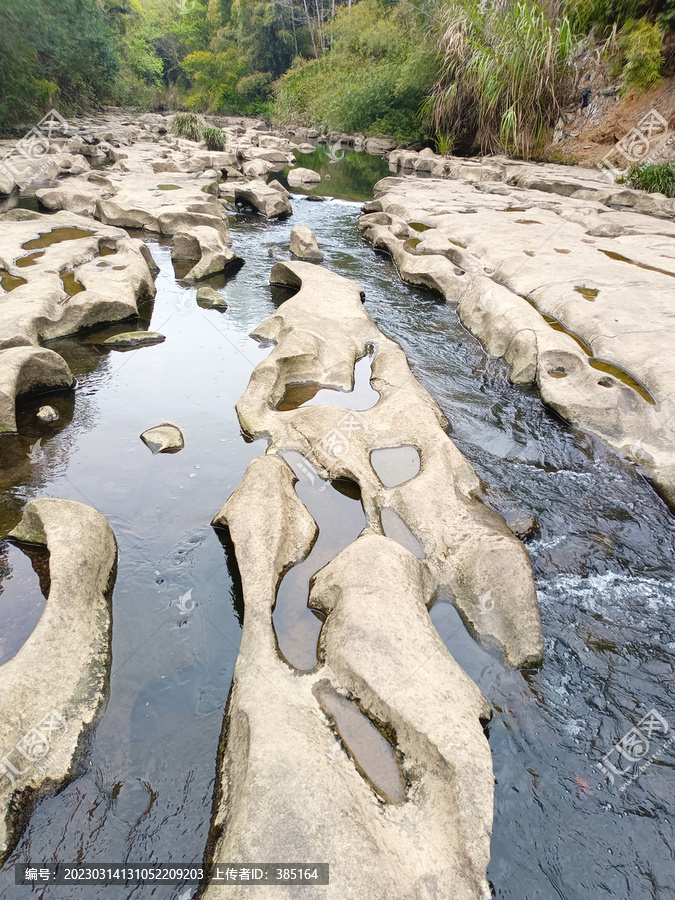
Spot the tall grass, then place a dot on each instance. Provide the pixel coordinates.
(188, 125)
(213, 137)
(506, 73)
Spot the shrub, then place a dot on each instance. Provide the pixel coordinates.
(640, 46)
(507, 71)
(214, 137)
(658, 178)
(373, 78)
(188, 125)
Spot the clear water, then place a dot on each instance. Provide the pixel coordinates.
(603, 558)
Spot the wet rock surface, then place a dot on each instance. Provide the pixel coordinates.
(53, 691)
(575, 296)
(304, 245)
(164, 438)
(377, 631)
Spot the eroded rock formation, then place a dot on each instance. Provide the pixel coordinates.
(577, 298)
(280, 794)
(53, 691)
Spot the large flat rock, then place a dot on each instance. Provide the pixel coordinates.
(576, 297)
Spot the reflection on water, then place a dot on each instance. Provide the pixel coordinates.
(603, 556)
(341, 519)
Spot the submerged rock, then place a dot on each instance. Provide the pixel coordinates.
(133, 339)
(47, 414)
(165, 438)
(210, 299)
(55, 688)
(304, 245)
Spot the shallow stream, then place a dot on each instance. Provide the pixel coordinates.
(603, 555)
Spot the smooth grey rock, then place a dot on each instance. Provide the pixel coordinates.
(277, 728)
(166, 438)
(7, 184)
(303, 244)
(55, 688)
(206, 245)
(606, 276)
(41, 310)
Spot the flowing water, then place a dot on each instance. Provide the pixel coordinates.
(603, 554)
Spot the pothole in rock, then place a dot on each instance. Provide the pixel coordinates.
(56, 236)
(395, 465)
(622, 375)
(168, 187)
(587, 293)
(527, 222)
(9, 282)
(613, 255)
(336, 509)
(30, 260)
(419, 226)
(132, 800)
(362, 397)
(395, 528)
(558, 250)
(70, 285)
(24, 586)
(361, 740)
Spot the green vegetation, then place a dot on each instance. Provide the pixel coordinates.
(374, 77)
(458, 75)
(188, 125)
(214, 137)
(506, 72)
(658, 178)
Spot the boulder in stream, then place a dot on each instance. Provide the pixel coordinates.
(304, 244)
(210, 299)
(301, 177)
(206, 245)
(47, 414)
(165, 438)
(265, 199)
